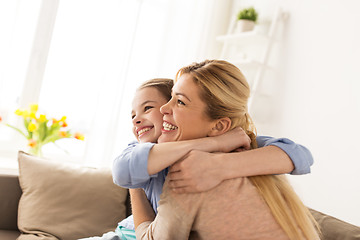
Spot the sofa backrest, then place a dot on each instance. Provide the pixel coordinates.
(10, 193)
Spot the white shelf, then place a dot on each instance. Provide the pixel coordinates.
(244, 49)
(244, 38)
(248, 63)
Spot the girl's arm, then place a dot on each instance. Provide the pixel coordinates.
(201, 171)
(141, 208)
(299, 155)
(164, 155)
(132, 169)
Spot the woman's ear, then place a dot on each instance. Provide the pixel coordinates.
(221, 126)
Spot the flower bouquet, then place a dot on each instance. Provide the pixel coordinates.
(40, 130)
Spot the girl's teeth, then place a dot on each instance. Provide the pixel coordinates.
(143, 130)
(168, 127)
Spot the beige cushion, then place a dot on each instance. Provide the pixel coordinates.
(61, 201)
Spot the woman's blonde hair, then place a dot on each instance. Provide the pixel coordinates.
(226, 92)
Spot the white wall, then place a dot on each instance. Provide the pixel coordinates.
(316, 101)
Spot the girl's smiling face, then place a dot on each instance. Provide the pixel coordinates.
(184, 115)
(146, 116)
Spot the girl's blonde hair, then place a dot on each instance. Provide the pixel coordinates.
(226, 92)
(163, 85)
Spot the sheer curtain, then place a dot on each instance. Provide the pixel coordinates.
(102, 50)
(17, 26)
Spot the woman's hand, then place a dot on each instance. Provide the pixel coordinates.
(197, 172)
(233, 139)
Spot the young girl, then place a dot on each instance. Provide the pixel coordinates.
(144, 164)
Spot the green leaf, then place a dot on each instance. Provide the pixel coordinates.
(18, 130)
(248, 13)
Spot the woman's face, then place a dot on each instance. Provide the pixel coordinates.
(184, 115)
(146, 117)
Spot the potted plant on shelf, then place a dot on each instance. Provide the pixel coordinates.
(246, 19)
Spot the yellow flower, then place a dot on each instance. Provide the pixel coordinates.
(37, 126)
(25, 114)
(42, 118)
(79, 136)
(19, 112)
(34, 108)
(31, 127)
(32, 115)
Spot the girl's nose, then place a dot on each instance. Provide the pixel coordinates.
(136, 121)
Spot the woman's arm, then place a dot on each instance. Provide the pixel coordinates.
(141, 208)
(201, 171)
(173, 221)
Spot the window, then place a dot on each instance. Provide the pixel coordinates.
(84, 59)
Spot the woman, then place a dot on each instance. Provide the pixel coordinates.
(209, 99)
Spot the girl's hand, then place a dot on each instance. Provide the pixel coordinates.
(233, 139)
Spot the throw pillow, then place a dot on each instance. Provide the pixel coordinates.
(62, 201)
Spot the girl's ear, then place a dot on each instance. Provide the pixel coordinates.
(221, 126)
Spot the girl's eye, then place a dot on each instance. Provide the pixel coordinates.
(133, 116)
(148, 108)
(180, 102)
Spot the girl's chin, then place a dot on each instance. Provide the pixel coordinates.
(147, 138)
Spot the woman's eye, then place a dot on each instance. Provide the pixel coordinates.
(180, 102)
(148, 108)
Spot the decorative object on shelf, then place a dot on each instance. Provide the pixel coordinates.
(40, 130)
(251, 51)
(246, 19)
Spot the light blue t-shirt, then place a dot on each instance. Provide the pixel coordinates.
(130, 168)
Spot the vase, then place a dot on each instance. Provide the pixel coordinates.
(36, 150)
(244, 25)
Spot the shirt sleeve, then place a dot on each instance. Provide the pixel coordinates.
(299, 155)
(130, 168)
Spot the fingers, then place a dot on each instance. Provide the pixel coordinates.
(247, 144)
(175, 175)
(178, 184)
(239, 149)
(184, 190)
(175, 168)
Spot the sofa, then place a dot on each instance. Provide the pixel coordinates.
(52, 200)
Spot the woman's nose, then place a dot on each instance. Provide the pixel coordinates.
(165, 109)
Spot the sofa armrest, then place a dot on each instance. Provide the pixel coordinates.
(335, 229)
(10, 193)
